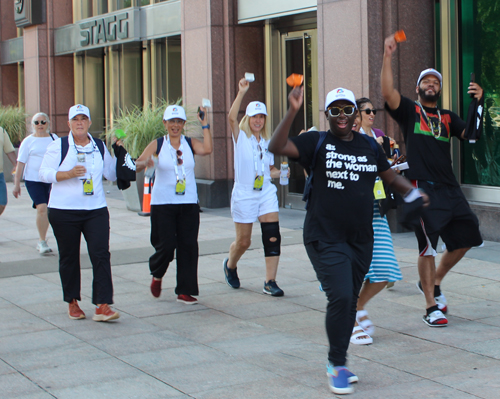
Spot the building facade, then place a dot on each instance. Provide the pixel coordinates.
(114, 54)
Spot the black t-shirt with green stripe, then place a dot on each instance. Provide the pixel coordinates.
(428, 153)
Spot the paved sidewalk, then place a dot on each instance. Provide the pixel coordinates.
(234, 343)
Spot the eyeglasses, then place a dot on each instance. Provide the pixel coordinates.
(37, 122)
(180, 161)
(369, 111)
(260, 150)
(176, 121)
(335, 111)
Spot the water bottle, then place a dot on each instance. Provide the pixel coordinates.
(151, 170)
(284, 174)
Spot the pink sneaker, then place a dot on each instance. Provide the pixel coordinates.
(187, 299)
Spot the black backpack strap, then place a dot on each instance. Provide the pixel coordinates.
(159, 144)
(100, 145)
(322, 136)
(373, 144)
(64, 148)
(188, 139)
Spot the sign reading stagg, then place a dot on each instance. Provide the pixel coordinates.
(103, 30)
(28, 12)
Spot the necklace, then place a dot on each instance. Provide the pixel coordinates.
(429, 122)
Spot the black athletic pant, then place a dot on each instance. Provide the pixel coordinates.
(340, 268)
(68, 226)
(175, 227)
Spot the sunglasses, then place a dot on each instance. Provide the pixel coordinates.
(180, 161)
(369, 111)
(335, 111)
(37, 122)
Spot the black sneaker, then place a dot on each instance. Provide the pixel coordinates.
(231, 275)
(271, 288)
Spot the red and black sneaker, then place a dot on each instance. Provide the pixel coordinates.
(156, 287)
(187, 299)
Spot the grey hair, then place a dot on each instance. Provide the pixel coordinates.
(36, 116)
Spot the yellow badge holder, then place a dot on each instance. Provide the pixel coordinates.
(180, 187)
(258, 183)
(88, 187)
(378, 189)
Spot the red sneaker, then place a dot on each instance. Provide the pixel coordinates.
(187, 299)
(74, 311)
(156, 287)
(104, 313)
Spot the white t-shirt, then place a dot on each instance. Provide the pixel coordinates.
(68, 194)
(31, 152)
(248, 162)
(166, 177)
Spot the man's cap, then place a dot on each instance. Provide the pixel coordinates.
(255, 108)
(340, 94)
(78, 109)
(173, 112)
(430, 71)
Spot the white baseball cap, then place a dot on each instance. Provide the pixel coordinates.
(78, 109)
(340, 94)
(174, 111)
(255, 108)
(430, 71)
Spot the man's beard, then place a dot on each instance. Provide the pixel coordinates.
(429, 98)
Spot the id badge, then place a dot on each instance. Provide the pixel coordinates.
(88, 187)
(80, 157)
(180, 187)
(378, 189)
(258, 183)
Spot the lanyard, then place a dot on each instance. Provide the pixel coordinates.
(94, 149)
(258, 152)
(429, 122)
(175, 159)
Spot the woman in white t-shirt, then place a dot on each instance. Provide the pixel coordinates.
(254, 195)
(175, 213)
(29, 159)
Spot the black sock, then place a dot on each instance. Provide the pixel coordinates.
(437, 290)
(432, 309)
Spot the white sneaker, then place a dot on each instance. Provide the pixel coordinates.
(43, 248)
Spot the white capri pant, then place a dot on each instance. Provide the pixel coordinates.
(248, 204)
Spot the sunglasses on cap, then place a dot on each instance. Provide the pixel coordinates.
(335, 111)
(369, 111)
(41, 122)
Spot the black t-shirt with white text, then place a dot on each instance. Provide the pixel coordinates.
(341, 202)
(428, 149)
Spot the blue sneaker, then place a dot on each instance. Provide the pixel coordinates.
(231, 275)
(338, 379)
(351, 377)
(271, 288)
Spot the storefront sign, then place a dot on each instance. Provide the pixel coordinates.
(28, 12)
(105, 29)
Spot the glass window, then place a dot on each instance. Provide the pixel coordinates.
(131, 75)
(123, 4)
(480, 35)
(174, 69)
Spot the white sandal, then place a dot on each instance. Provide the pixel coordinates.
(357, 333)
(365, 324)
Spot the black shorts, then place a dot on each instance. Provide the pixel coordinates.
(38, 191)
(448, 216)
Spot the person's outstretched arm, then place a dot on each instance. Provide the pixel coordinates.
(280, 144)
(390, 94)
(243, 87)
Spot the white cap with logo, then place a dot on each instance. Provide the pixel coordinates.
(78, 109)
(173, 112)
(430, 71)
(340, 94)
(255, 108)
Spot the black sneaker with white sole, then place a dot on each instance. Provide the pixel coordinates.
(435, 318)
(271, 288)
(231, 275)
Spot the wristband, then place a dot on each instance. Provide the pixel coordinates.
(207, 126)
(412, 195)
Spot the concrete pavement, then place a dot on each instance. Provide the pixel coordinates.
(234, 343)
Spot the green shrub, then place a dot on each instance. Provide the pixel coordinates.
(13, 120)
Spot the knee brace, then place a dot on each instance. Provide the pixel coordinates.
(271, 238)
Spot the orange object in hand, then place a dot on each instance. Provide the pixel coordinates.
(400, 36)
(295, 79)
